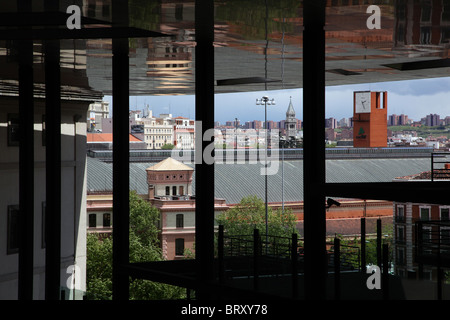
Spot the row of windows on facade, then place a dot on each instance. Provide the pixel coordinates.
(444, 235)
(158, 137)
(174, 190)
(401, 252)
(93, 220)
(160, 177)
(425, 213)
(107, 220)
(158, 131)
(427, 235)
(13, 229)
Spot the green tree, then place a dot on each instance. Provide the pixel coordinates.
(371, 245)
(144, 247)
(250, 214)
(98, 268)
(167, 146)
(144, 220)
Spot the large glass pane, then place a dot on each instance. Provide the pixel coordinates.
(386, 74)
(258, 131)
(161, 115)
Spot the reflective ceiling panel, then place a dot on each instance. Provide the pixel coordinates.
(258, 45)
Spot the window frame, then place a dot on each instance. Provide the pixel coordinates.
(400, 216)
(106, 217)
(94, 215)
(401, 235)
(444, 235)
(179, 244)
(13, 136)
(401, 256)
(179, 220)
(420, 212)
(448, 213)
(12, 230)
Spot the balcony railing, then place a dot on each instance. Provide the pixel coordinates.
(433, 242)
(440, 158)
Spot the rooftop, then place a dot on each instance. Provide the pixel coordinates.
(170, 164)
(235, 181)
(106, 137)
(426, 175)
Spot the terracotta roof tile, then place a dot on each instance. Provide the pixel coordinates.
(106, 137)
(170, 164)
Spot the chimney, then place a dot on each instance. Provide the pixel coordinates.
(151, 191)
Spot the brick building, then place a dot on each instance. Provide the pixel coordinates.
(370, 119)
(436, 230)
(161, 183)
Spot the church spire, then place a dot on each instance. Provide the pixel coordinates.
(290, 125)
(290, 111)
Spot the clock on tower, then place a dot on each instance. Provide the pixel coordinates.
(362, 102)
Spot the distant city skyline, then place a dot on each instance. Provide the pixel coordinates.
(415, 98)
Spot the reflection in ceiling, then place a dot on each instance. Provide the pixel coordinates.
(258, 46)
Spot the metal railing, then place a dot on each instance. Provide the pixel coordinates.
(433, 242)
(349, 256)
(238, 245)
(440, 158)
(250, 256)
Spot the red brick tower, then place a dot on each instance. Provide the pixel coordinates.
(369, 119)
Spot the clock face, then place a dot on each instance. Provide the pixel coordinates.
(362, 102)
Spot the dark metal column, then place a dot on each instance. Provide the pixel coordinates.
(385, 274)
(26, 163)
(204, 113)
(52, 164)
(120, 88)
(379, 243)
(363, 245)
(314, 148)
(337, 268)
(257, 250)
(294, 260)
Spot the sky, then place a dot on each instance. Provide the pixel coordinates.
(415, 98)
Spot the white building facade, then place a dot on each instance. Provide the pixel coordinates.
(73, 202)
(97, 111)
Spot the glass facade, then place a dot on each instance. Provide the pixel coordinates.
(322, 113)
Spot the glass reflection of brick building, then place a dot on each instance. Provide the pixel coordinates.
(422, 23)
